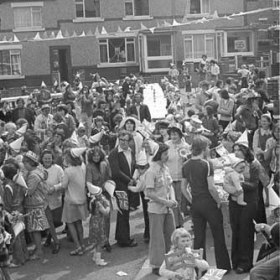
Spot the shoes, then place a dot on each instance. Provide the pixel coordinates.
(107, 247)
(98, 260)
(156, 271)
(147, 239)
(77, 252)
(48, 242)
(132, 243)
(56, 248)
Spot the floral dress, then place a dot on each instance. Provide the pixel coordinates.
(97, 235)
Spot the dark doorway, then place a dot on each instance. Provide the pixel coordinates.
(60, 60)
(63, 66)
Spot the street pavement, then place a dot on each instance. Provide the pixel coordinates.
(133, 261)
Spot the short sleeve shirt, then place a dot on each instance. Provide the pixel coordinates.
(158, 178)
(196, 171)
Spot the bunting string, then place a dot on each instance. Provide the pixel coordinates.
(60, 35)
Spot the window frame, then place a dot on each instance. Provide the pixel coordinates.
(31, 6)
(252, 38)
(133, 16)
(126, 42)
(191, 34)
(189, 15)
(13, 48)
(84, 18)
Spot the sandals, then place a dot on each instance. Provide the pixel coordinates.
(77, 252)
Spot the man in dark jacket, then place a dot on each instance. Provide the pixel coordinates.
(139, 109)
(22, 112)
(122, 163)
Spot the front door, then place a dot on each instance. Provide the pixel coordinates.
(60, 59)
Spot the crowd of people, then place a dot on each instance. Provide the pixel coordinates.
(99, 150)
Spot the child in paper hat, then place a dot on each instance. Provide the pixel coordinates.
(99, 208)
(181, 241)
(234, 178)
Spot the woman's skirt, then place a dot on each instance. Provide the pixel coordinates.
(74, 212)
(36, 220)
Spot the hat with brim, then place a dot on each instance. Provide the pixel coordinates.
(163, 124)
(175, 127)
(45, 106)
(94, 190)
(131, 119)
(62, 107)
(32, 156)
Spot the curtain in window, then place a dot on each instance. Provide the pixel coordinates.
(22, 17)
(188, 47)
(141, 7)
(5, 65)
(205, 6)
(209, 43)
(37, 16)
(103, 53)
(130, 52)
(198, 45)
(92, 8)
(195, 7)
(15, 63)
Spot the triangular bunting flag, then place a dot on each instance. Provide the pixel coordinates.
(175, 23)
(152, 29)
(166, 24)
(74, 34)
(59, 35)
(16, 40)
(142, 26)
(11, 39)
(66, 33)
(37, 37)
(103, 31)
(89, 33)
(45, 35)
(96, 31)
(83, 34)
(4, 39)
(127, 29)
(119, 30)
(52, 36)
(215, 15)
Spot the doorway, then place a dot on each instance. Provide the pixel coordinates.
(60, 60)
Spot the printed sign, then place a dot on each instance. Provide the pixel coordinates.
(240, 45)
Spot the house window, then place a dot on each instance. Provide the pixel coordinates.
(136, 7)
(10, 63)
(239, 42)
(276, 3)
(117, 50)
(199, 44)
(199, 6)
(87, 8)
(27, 17)
(159, 45)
